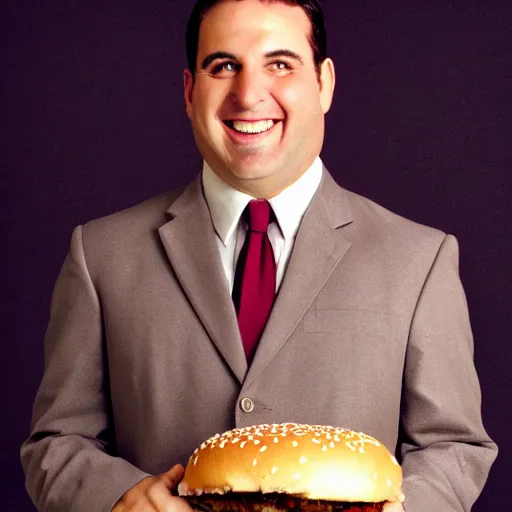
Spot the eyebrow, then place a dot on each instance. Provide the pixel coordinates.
(269, 55)
(284, 53)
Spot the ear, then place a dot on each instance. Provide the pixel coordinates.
(327, 83)
(188, 87)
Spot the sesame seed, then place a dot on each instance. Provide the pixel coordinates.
(262, 449)
(324, 448)
(302, 460)
(295, 444)
(351, 446)
(257, 441)
(273, 470)
(242, 444)
(254, 462)
(331, 444)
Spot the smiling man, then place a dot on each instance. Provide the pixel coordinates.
(261, 293)
(257, 99)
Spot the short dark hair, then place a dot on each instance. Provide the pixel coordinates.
(312, 8)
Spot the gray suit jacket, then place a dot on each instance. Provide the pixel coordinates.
(143, 357)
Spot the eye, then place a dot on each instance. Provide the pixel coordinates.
(224, 68)
(280, 67)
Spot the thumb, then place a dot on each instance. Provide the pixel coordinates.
(172, 478)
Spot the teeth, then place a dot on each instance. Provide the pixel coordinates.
(254, 127)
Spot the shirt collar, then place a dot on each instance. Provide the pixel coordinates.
(290, 205)
(226, 204)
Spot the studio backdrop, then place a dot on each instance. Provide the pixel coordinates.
(93, 121)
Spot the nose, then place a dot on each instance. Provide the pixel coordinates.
(249, 89)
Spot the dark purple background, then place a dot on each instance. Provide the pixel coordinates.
(93, 121)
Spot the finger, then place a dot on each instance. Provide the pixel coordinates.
(172, 478)
(161, 498)
(180, 505)
(393, 507)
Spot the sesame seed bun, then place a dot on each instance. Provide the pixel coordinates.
(312, 461)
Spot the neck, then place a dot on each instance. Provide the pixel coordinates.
(263, 188)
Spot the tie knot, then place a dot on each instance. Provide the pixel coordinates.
(259, 215)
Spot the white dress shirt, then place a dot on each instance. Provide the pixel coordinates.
(227, 204)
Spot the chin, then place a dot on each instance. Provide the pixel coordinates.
(253, 169)
(288, 467)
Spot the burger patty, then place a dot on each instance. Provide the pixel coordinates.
(276, 502)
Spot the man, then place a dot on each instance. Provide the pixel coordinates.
(147, 350)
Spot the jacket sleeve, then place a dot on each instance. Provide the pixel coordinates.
(69, 459)
(445, 452)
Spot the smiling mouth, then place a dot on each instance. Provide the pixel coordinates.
(251, 127)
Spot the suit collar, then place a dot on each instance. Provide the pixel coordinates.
(190, 244)
(226, 204)
(334, 202)
(319, 247)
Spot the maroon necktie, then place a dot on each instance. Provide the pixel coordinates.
(255, 277)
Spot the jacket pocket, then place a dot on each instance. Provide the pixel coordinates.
(337, 321)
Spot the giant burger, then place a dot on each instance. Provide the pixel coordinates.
(290, 467)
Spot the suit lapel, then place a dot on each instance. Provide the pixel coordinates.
(318, 248)
(190, 244)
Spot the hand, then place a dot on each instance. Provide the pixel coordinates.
(393, 507)
(153, 494)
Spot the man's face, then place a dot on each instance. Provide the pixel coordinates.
(257, 104)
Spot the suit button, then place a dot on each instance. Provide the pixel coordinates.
(247, 405)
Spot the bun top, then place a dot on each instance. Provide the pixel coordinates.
(314, 461)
